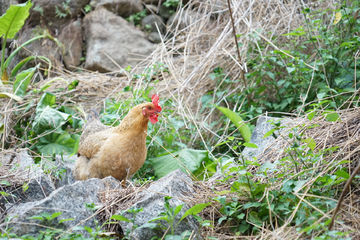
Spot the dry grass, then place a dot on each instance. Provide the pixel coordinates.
(191, 53)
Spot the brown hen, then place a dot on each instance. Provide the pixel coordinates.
(117, 151)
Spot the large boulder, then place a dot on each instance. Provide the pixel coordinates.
(28, 182)
(176, 184)
(110, 39)
(55, 13)
(70, 200)
(149, 23)
(71, 38)
(123, 8)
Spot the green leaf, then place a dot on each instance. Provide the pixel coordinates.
(178, 209)
(311, 115)
(290, 69)
(299, 184)
(55, 143)
(22, 81)
(250, 145)
(310, 143)
(46, 215)
(55, 215)
(269, 133)
(195, 210)
(332, 117)
(254, 218)
(159, 218)
(14, 18)
(65, 220)
(343, 174)
(36, 217)
(10, 95)
(49, 119)
(191, 158)
(120, 218)
(3, 182)
(237, 121)
(47, 99)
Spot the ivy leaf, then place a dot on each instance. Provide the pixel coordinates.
(343, 174)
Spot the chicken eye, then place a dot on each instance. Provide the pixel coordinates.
(149, 108)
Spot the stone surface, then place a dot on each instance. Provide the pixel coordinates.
(262, 127)
(71, 38)
(41, 47)
(123, 8)
(47, 12)
(38, 185)
(70, 200)
(111, 38)
(66, 167)
(166, 12)
(150, 8)
(149, 23)
(5, 4)
(152, 201)
(154, 37)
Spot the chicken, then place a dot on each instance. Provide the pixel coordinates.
(117, 151)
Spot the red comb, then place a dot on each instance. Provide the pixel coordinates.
(155, 100)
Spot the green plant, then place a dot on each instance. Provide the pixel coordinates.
(171, 3)
(134, 211)
(65, 8)
(170, 213)
(136, 17)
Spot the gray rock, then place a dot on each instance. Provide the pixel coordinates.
(154, 37)
(151, 9)
(55, 13)
(262, 127)
(71, 38)
(111, 38)
(166, 12)
(123, 8)
(65, 171)
(38, 185)
(175, 184)
(5, 4)
(149, 23)
(70, 200)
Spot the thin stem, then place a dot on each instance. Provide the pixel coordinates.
(2, 59)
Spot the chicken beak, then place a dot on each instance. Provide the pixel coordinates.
(158, 113)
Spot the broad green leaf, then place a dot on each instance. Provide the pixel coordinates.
(22, 81)
(343, 174)
(299, 184)
(195, 210)
(191, 158)
(240, 187)
(48, 119)
(250, 145)
(14, 18)
(254, 218)
(55, 143)
(158, 218)
(310, 143)
(120, 218)
(311, 115)
(269, 133)
(332, 117)
(237, 121)
(10, 95)
(46, 215)
(47, 99)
